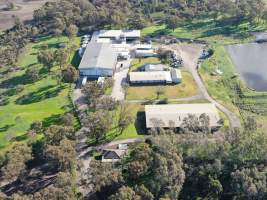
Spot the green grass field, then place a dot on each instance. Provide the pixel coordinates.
(136, 129)
(209, 30)
(220, 60)
(187, 88)
(44, 100)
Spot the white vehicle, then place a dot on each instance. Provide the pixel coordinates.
(84, 80)
(84, 45)
(86, 36)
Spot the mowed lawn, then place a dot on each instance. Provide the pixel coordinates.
(135, 129)
(44, 100)
(187, 88)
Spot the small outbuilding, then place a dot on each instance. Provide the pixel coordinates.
(113, 155)
(154, 67)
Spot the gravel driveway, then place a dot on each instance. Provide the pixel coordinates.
(120, 77)
(190, 54)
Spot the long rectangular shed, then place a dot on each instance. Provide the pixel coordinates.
(150, 77)
(99, 59)
(168, 115)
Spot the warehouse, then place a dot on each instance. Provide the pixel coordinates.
(144, 50)
(156, 77)
(127, 36)
(173, 114)
(99, 60)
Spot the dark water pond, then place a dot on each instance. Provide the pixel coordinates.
(251, 63)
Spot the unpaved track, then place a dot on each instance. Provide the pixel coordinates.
(190, 54)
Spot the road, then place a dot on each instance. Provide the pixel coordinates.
(120, 79)
(190, 55)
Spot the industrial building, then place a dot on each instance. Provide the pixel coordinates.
(144, 50)
(173, 115)
(99, 60)
(156, 77)
(117, 36)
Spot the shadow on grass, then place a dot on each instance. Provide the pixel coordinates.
(52, 120)
(139, 124)
(21, 138)
(76, 59)
(40, 95)
(14, 81)
(6, 127)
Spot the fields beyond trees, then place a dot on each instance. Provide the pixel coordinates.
(45, 100)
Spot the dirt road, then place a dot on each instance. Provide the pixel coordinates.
(190, 54)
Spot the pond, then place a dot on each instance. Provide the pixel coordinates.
(251, 63)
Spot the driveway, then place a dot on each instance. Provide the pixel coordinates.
(120, 77)
(190, 54)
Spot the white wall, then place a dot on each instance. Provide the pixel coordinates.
(96, 72)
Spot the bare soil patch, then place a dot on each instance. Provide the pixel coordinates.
(25, 12)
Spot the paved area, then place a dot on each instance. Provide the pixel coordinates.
(190, 54)
(120, 80)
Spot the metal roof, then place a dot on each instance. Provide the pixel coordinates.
(177, 112)
(150, 76)
(98, 55)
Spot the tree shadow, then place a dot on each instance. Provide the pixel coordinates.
(20, 138)
(6, 127)
(14, 81)
(40, 95)
(52, 120)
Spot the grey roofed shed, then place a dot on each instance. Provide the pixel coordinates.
(98, 55)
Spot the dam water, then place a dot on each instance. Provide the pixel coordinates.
(251, 63)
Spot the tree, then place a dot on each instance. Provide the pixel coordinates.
(37, 126)
(137, 21)
(55, 134)
(61, 57)
(46, 58)
(63, 155)
(71, 31)
(249, 183)
(70, 74)
(98, 123)
(67, 119)
(191, 124)
(141, 160)
(125, 118)
(143, 192)
(16, 160)
(105, 179)
(204, 123)
(106, 103)
(33, 74)
(172, 22)
(125, 193)
(93, 91)
(250, 124)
